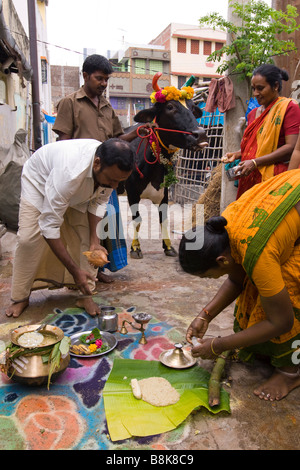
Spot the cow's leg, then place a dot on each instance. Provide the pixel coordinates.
(135, 250)
(163, 220)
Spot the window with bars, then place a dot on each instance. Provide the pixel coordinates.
(218, 46)
(118, 103)
(181, 45)
(194, 46)
(44, 71)
(140, 103)
(207, 47)
(155, 66)
(140, 66)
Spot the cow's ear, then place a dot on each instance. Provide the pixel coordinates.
(145, 115)
(197, 112)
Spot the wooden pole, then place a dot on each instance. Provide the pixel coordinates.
(36, 110)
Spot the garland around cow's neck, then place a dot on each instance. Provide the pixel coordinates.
(168, 163)
(161, 95)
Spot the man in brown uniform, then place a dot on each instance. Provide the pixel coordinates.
(86, 114)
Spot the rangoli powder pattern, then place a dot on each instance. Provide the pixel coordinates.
(70, 415)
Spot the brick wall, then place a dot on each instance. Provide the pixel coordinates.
(64, 80)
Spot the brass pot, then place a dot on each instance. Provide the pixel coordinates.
(36, 372)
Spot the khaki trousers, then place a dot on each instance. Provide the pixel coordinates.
(35, 265)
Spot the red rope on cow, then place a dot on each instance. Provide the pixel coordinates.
(151, 134)
(142, 137)
(156, 148)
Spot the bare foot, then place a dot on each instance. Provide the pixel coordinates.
(278, 385)
(104, 277)
(16, 308)
(89, 306)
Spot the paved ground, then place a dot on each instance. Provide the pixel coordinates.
(71, 415)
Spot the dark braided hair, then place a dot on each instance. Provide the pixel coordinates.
(200, 246)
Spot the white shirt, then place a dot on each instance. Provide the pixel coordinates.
(58, 176)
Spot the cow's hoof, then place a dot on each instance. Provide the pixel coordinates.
(170, 251)
(136, 254)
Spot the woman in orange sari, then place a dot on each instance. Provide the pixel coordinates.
(271, 133)
(256, 242)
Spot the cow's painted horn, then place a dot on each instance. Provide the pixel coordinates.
(154, 81)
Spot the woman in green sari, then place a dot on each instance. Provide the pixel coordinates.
(256, 242)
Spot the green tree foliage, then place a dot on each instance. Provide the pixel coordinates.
(256, 40)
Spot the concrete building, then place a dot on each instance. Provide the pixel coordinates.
(189, 47)
(17, 72)
(130, 86)
(179, 51)
(65, 79)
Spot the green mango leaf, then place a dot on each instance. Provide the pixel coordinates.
(65, 345)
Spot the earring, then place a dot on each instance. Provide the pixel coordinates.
(226, 262)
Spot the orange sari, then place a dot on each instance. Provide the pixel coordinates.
(264, 228)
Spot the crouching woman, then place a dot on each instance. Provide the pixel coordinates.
(256, 243)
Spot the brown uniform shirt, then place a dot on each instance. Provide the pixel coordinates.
(78, 117)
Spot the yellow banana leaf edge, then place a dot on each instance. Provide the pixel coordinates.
(127, 416)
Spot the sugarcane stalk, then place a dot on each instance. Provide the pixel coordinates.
(214, 384)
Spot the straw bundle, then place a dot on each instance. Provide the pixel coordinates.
(211, 197)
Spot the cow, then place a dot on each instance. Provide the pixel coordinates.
(175, 127)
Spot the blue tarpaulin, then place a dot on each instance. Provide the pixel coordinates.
(49, 119)
(210, 119)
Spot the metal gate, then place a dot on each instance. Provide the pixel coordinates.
(193, 169)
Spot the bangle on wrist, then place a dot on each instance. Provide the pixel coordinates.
(206, 312)
(211, 347)
(255, 163)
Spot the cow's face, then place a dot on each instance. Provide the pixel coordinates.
(175, 115)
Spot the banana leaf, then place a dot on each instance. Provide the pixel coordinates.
(127, 416)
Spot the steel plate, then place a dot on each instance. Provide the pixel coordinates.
(167, 359)
(108, 337)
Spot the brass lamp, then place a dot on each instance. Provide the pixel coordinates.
(142, 319)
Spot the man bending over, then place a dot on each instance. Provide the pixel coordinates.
(65, 189)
